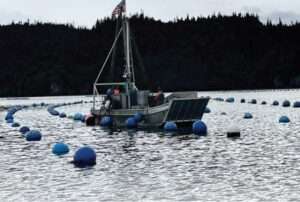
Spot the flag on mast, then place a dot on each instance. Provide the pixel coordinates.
(119, 9)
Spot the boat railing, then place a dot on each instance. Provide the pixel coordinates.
(99, 92)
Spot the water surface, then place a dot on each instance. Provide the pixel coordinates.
(263, 165)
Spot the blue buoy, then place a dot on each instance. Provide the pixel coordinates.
(248, 115)
(296, 104)
(131, 123)
(62, 115)
(219, 99)
(284, 119)
(263, 102)
(207, 110)
(12, 110)
(199, 128)
(9, 116)
(85, 156)
(15, 125)
(275, 103)
(138, 117)
(9, 120)
(24, 129)
(243, 100)
(230, 100)
(83, 118)
(77, 117)
(106, 121)
(33, 135)
(60, 149)
(170, 126)
(52, 110)
(286, 103)
(54, 113)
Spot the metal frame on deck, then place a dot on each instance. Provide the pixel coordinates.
(129, 69)
(96, 93)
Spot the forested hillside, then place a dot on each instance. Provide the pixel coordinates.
(214, 53)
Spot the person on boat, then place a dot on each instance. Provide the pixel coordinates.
(159, 98)
(108, 100)
(117, 90)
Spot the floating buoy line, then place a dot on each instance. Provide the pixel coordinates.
(83, 157)
(248, 115)
(86, 156)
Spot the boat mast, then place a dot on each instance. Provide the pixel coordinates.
(127, 49)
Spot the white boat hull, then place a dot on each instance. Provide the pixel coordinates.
(186, 110)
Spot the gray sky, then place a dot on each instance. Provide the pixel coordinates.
(85, 12)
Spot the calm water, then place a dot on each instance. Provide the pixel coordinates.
(263, 165)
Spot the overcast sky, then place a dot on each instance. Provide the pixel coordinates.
(86, 12)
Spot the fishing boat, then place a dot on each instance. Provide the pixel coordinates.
(129, 103)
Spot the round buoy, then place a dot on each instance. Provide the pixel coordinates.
(77, 117)
(60, 149)
(207, 110)
(15, 125)
(199, 128)
(85, 156)
(106, 121)
(253, 101)
(131, 123)
(286, 103)
(9, 120)
(248, 115)
(9, 116)
(83, 118)
(263, 102)
(219, 99)
(138, 117)
(284, 119)
(296, 104)
(243, 100)
(62, 115)
(230, 100)
(33, 135)
(170, 126)
(234, 132)
(12, 110)
(52, 111)
(24, 129)
(275, 103)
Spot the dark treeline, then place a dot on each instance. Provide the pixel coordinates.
(214, 53)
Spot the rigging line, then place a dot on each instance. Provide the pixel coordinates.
(140, 61)
(107, 57)
(132, 64)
